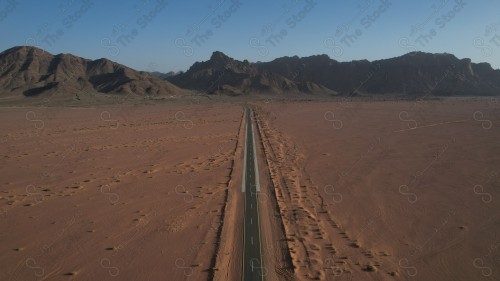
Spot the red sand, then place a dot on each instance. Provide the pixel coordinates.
(371, 199)
(350, 191)
(135, 193)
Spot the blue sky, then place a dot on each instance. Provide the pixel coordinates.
(163, 35)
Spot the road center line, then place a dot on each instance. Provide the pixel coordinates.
(252, 250)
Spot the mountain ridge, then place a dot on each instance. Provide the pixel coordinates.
(30, 71)
(416, 73)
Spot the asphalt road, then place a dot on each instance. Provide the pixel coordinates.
(253, 269)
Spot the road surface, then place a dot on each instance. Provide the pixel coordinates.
(253, 269)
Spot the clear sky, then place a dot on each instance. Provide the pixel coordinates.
(164, 35)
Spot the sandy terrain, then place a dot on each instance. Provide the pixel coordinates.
(133, 193)
(350, 191)
(387, 190)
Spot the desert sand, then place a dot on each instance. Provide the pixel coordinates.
(395, 190)
(130, 193)
(350, 190)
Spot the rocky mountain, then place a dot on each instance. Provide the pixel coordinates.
(162, 75)
(224, 75)
(31, 71)
(417, 73)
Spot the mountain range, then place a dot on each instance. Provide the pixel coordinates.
(415, 73)
(29, 72)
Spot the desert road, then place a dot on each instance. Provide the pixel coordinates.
(253, 269)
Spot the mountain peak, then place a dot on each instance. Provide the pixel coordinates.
(420, 54)
(25, 50)
(219, 56)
